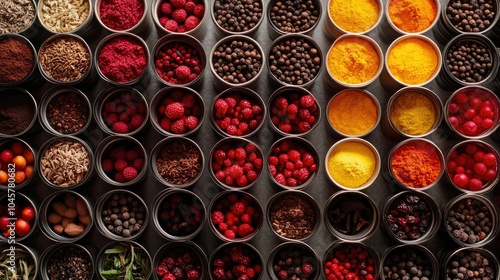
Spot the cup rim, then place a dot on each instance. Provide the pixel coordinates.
(482, 90)
(35, 166)
(377, 48)
(257, 205)
(310, 40)
(159, 147)
(362, 235)
(239, 141)
(302, 246)
(160, 95)
(281, 33)
(161, 197)
(240, 91)
(284, 91)
(47, 98)
(242, 38)
(369, 145)
(100, 204)
(303, 194)
(379, 19)
(428, 41)
(106, 94)
(369, 94)
(76, 30)
(136, 245)
(230, 33)
(184, 38)
(47, 254)
(176, 244)
(490, 185)
(433, 226)
(30, 97)
(434, 98)
(97, 8)
(34, 221)
(73, 139)
(24, 40)
(402, 32)
(109, 38)
(103, 148)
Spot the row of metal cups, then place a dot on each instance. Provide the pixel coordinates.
(408, 217)
(417, 260)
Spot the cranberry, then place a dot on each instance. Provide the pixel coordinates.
(180, 262)
(294, 112)
(237, 114)
(343, 262)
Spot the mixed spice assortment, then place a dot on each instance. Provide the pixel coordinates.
(282, 118)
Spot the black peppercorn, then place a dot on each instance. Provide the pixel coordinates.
(407, 263)
(471, 15)
(469, 61)
(293, 16)
(461, 215)
(69, 262)
(237, 61)
(237, 15)
(122, 220)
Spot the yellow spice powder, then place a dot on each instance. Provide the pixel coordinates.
(413, 113)
(353, 60)
(353, 112)
(351, 164)
(412, 61)
(354, 15)
(412, 16)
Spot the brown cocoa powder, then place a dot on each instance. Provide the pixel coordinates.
(16, 60)
(17, 111)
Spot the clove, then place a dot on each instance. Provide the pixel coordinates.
(350, 217)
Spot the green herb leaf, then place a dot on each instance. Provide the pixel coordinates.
(118, 249)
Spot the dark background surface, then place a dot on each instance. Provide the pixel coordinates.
(322, 138)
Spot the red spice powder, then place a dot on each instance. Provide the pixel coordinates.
(121, 14)
(122, 59)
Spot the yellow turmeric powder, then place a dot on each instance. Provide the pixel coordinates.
(353, 60)
(413, 113)
(412, 61)
(353, 112)
(412, 16)
(354, 16)
(351, 164)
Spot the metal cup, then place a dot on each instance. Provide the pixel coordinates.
(223, 250)
(5, 144)
(222, 32)
(192, 247)
(420, 252)
(341, 245)
(139, 28)
(335, 31)
(84, 29)
(52, 251)
(486, 259)
(138, 249)
(26, 97)
(7, 201)
(393, 31)
(307, 256)
(33, 77)
(274, 32)
(24, 253)
(197, 32)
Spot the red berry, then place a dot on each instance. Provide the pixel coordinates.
(120, 127)
(244, 230)
(138, 163)
(107, 165)
(120, 165)
(183, 73)
(480, 168)
(453, 108)
(137, 121)
(230, 234)
(192, 22)
(307, 101)
(178, 3)
(174, 110)
(475, 185)
(461, 98)
(461, 180)
(217, 217)
(166, 8)
(489, 159)
(238, 208)
(171, 25)
(469, 128)
(199, 10)
(178, 127)
(129, 173)
(490, 175)
(191, 122)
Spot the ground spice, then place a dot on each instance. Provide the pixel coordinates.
(413, 113)
(121, 14)
(16, 15)
(16, 60)
(412, 61)
(353, 112)
(355, 17)
(122, 59)
(69, 263)
(416, 164)
(412, 16)
(292, 216)
(351, 164)
(353, 60)
(67, 112)
(17, 111)
(179, 162)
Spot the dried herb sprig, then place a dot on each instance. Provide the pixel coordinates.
(125, 262)
(24, 268)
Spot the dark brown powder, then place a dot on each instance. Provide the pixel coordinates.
(16, 112)
(16, 60)
(179, 162)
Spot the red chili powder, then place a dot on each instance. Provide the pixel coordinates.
(121, 14)
(122, 59)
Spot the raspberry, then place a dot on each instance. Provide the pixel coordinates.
(178, 3)
(132, 155)
(119, 177)
(178, 127)
(191, 22)
(221, 107)
(137, 121)
(231, 101)
(107, 165)
(138, 163)
(219, 273)
(199, 10)
(240, 153)
(163, 21)
(282, 274)
(303, 127)
(120, 127)
(292, 109)
(182, 73)
(188, 100)
(120, 165)
(179, 15)
(129, 173)
(247, 113)
(219, 155)
(217, 217)
(242, 181)
(191, 122)
(190, 7)
(239, 270)
(111, 119)
(244, 230)
(171, 25)
(166, 124)
(238, 208)
(307, 268)
(174, 110)
(193, 274)
(230, 234)
(166, 8)
(235, 171)
(281, 103)
(303, 175)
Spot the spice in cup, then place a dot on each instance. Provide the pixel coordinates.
(17, 111)
(64, 58)
(232, 260)
(354, 60)
(63, 16)
(418, 68)
(469, 61)
(416, 164)
(67, 261)
(352, 163)
(68, 112)
(407, 261)
(353, 113)
(237, 16)
(121, 15)
(482, 13)
(413, 16)
(25, 265)
(294, 16)
(16, 16)
(122, 260)
(467, 263)
(17, 60)
(122, 58)
(358, 18)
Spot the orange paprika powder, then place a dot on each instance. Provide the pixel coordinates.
(416, 164)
